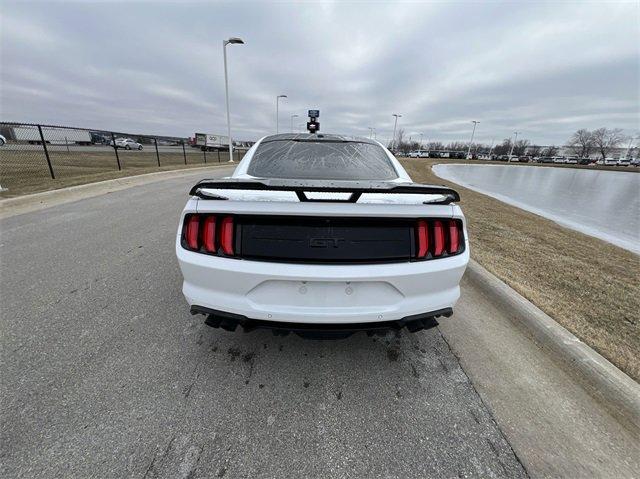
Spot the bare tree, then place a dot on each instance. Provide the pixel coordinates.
(399, 138)
(605, 140)
(582, 142)
(503, 148)
(435, 145)
(457, 146)
(550, 151)
(534, 150)
(520, 147)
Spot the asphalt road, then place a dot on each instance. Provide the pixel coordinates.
(106, 374)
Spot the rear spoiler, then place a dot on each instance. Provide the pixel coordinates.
(356, 188)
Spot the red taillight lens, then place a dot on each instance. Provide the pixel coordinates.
(191, 233)
(438, 238)
(209, 234)
(423, 238)
(226, 235)
(454, 237)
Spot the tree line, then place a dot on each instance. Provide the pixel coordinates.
(582, 143)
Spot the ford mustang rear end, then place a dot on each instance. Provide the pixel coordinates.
(321, 232)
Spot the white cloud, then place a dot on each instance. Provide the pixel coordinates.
(543, 68)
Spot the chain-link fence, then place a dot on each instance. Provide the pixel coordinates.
(33, 156)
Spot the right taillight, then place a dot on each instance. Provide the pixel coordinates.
(454, 237)
(437, 238)
(423, 238)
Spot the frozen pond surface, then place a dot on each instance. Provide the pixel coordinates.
(605, 204)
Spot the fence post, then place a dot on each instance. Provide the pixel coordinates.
(204, 152)
(115, 149)
(184, 153)
(46, 153)
(218, 156)
(155, 141)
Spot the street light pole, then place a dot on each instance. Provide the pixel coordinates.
(421, 135)
(472, 134)
(292, 117)
(513, 144)
(395, 124)
(277, 113)
(233, 41)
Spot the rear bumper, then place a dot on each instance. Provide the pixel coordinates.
(230, 322)
(320, 294)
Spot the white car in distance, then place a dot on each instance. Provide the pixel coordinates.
(419, 154)
(128, 144)
(321, 234)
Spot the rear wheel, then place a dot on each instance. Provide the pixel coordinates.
(127, 147)
(1, 142)
(139, 147)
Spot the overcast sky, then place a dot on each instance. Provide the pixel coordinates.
(544, 68)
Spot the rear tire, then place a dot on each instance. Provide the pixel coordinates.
(139, 147)
(127, 147)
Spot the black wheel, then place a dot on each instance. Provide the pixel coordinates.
(127, 147)
(1, 142)
(139, 147)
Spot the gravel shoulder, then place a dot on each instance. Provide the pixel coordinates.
(590, 287)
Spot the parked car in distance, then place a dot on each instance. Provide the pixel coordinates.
(623, 162)
(287, 251)
(571, 160)
(635, 162)
(128, 144)
(3, 140)
(419, 154)
(545, 159)
(558, 159)
(608, 162)
(585, 161)
(524, 159)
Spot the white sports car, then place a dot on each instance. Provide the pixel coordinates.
(322, 233)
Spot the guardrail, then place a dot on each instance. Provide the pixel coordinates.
(32, 153)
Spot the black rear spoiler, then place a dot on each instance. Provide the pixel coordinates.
(356, 188)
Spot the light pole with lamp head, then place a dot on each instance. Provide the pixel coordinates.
(395, 124)
(277, 113)
(513, 144)
(472, 134)
(233, 41)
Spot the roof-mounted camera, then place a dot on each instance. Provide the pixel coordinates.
(313, 125)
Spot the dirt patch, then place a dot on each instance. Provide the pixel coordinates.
(590, 287)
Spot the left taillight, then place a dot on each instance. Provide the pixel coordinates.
(191, 229)
(210, 234)
(438, 238)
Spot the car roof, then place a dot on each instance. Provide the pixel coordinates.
(318, 137)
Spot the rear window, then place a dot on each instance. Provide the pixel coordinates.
(321, 160)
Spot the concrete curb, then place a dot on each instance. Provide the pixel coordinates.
(46, 199)
(616, 391)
